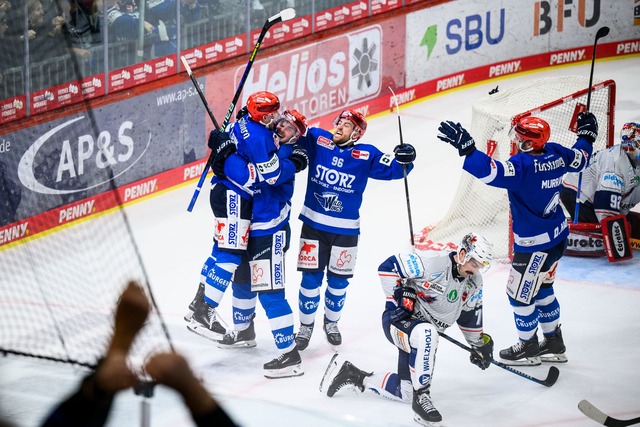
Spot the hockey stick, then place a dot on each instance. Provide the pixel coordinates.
(551, 379)
(284, 15)
(197, 86)
(404, 169)
(600, 417)
(602, 32)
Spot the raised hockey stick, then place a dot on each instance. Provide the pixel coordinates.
(284, 15)
(551, 379)
(602, 32)
(600, 417)
(197, 86)
(404, 168)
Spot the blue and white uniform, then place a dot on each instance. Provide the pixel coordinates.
(337, 178)
(540, 228)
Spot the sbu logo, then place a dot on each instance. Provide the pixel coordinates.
(546, 11)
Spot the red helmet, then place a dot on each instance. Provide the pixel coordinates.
(533, 129)
(358, 120)
(630, 136)
(261, 104)
(298, 120)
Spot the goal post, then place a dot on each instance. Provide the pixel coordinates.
(484, 209)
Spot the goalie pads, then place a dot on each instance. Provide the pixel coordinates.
(585, 240)
(615, 233)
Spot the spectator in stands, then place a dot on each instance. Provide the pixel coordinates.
(91, 403)
(83, 24)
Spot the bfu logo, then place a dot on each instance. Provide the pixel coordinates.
(545, 14)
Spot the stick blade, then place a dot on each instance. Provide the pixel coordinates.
(602, 32)
(552, 376)
(592, 412)
(290, 13)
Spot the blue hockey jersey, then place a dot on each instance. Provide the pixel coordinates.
(337, 179)
(260, 170)
(533, 185)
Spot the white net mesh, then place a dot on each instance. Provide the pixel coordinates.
(484, 209)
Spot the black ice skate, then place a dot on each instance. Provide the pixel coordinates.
(284, 366)
(347, 376)
(524, 353)
(552, 348)
(239, 339)
(303, 336)
(425, 412)
(206, 323)
(332, 333)
(194, 303)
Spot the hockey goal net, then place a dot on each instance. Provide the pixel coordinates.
(484, 209)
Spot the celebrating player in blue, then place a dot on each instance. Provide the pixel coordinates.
(339, 170)
(533, 179)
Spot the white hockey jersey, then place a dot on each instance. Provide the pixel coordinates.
(443, 296)
(611, 183)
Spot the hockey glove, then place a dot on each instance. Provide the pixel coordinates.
(222, 146)
(405, 298)
(405, 153)
(587, 126)
(481, 356)
(300, 159)
(242, 112)
(456, 135)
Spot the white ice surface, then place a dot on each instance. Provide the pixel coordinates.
(599, 308)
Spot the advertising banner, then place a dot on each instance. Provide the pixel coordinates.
(320, 80)
(73, 158)
(444, 40)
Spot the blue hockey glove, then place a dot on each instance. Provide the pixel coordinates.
(222, 146)
(456, 135)
(587, 126)
(300, 159)
(406, 298)
(405, 153)
(481, 356)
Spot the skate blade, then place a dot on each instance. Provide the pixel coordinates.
(240, 344)
(198, 329)
(528, 361)
(554, 358)
(417, 418)
(288, 372)
(329, 373)
(187, 317)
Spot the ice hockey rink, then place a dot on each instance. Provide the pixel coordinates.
(599, 307)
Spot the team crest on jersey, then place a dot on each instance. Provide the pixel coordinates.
(325, 142)
(358, 154)
(329, 201)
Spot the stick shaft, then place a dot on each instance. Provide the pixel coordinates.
(268, 24)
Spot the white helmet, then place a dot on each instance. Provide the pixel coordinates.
(478, 248)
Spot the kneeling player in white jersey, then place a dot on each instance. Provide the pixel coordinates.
(425, 295)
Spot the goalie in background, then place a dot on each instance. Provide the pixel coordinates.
(424, 296)
(610, 188)
(533, 179)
